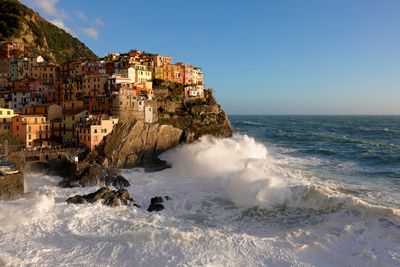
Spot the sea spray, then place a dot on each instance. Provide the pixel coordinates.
(251, 177)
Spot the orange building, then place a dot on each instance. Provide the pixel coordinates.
(31, 129)
(171, 73)
(92, 132)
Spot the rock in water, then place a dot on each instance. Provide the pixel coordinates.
(155, 203)
(107, 196)
(77, 199)
(102, 193)
(120, 182)
(155, 207)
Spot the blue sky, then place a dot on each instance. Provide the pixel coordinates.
(260, 57)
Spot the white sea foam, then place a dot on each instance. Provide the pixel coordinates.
(216, 186)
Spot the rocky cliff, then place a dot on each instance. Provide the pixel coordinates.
(19, 23)
(179, 120)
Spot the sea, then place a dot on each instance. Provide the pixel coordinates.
(283, 191)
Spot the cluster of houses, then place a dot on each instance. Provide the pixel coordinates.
(79, 102)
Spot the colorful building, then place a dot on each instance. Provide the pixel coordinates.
(92, 132)
(70, 118)
(171, 73)
(11, 50)
(31, 130)
(187, 73)
(194, 91)
(6, 116)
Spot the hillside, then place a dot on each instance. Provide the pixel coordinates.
(19, 23)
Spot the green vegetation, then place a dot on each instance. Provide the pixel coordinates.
(48, 40)
(11, 16)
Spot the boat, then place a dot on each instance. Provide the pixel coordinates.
(7, 168)
(7, 172)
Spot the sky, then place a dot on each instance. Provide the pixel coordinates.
(259, 56)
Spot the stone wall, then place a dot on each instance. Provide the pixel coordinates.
(11, 186)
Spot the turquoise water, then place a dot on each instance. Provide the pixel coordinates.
(361, 154)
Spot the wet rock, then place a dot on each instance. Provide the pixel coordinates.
(107, 196)
(77, 199)
(120, 182)
(156, 200)
(155, 207)
(95, 175)
(155, 204)
(124, 196)
(102, 193)
(112, 200)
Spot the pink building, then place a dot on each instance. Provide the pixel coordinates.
(187, 73)
(92, 132)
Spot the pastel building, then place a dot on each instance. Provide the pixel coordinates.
(92, 132)
(11, 50)
(31, 130)
(142, 73)
(69, 121)
(171, 73)
(198, 76)
(187, 73)
(160, 60)
(194, 91)
(6, 116)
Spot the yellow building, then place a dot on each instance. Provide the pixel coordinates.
(46, 73)
(70, 118)
(6, 116)
(171, 73)
(94, 84)
(142, 73)
(72, 94)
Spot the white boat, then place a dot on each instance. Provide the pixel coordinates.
(6, 172)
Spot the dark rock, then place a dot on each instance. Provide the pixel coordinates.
(77, 199)
(155, 204)
(120, 182)
(107, 196)
(102, 193)
(124, 196)
(112, 200)
(155, 207)
(40, 167)
(167, 198)
(95, 176)
(155, 200)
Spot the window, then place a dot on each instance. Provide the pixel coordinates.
(95, 130)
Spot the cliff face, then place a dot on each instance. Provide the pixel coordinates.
(136, 143)
(19, 23)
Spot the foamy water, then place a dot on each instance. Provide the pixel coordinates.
(233, 204)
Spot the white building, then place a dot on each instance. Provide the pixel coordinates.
(194, 91)
(148, 114)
